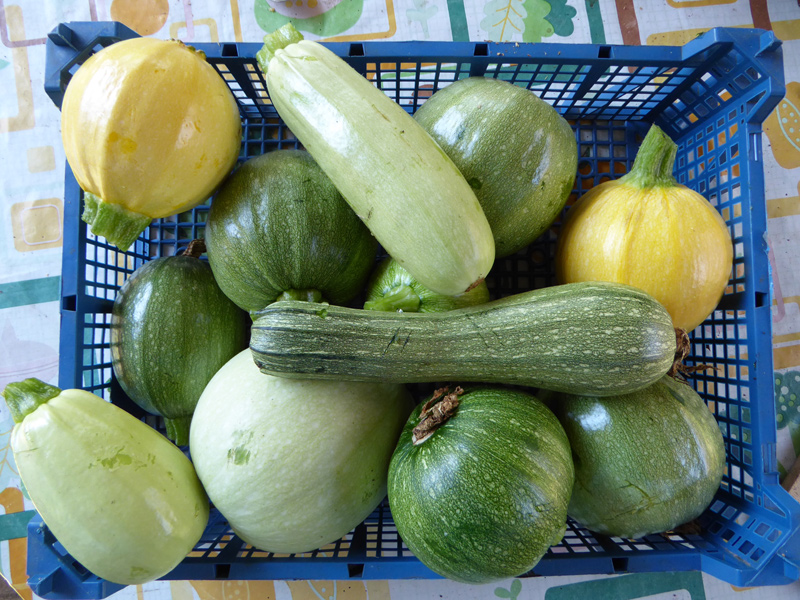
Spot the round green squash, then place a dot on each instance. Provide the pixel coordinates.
(391, 287)
(122, 500)
(294, 464)
(645, 462)
(479, 483)
(517, 153)
(278, 227)
(172, 328)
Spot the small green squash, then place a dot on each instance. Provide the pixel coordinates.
(121, 499)
(172, 328)
(479, 483)
(279, 226)
(645, 462)
(517, 153)
(391, 287)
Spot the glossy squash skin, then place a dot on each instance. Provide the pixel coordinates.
(645, 462)
(150, 129)
(172, 328)
(485, 495)
(279, 225)
(122, 499)
(517, 153)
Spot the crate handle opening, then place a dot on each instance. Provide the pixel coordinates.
(222, 571)
(355, 570)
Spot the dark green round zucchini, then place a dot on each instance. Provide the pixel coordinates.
(279, 225)
(172, 328)
(517, 153)
(593, 338)
(480, 482)
(645, 462)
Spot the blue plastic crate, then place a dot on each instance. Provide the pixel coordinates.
(710, 95)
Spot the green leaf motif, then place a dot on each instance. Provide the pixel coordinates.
(504, 19)
(3, 63)
(512, 593)
(536, 24)
(560, 17)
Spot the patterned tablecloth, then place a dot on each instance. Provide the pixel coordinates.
(31, 207)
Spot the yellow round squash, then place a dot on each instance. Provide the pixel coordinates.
(647, 230)
(150, 130)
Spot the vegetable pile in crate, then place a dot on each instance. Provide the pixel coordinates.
(709, 96)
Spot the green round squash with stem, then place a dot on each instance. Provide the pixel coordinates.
(479, 483)
(645, 462)
(172, 328)
(517, 153)
(391, 287)
(279, 228)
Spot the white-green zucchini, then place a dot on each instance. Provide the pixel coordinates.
(396, 178)
(122, 499)
(594, 338)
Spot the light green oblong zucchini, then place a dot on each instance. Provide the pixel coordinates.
(594, 338)
(122, 499)
(396, 178)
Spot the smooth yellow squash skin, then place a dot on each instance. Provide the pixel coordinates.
(150, 126)
(123, 500)
(657, 235)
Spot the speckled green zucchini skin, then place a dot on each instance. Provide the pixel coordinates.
(172, 328)
(517, 153)
(594, 338)
(278, 224)
(486, 495)
(645, 462)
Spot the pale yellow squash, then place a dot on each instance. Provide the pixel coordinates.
(647, 230)
(150, 129)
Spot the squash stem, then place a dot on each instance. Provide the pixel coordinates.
(304, 295)
(24, 397)
(401, 298)
(178, 429)
(118, 225)
(435, 413)
(654, 162)
(195, 248)
(276, 41)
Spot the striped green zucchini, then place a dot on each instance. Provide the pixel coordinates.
(594, 338)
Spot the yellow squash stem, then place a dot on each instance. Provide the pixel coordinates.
(117, 224)
(654, 162)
